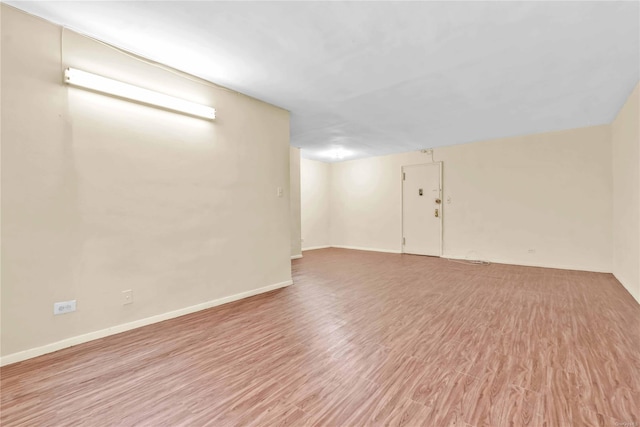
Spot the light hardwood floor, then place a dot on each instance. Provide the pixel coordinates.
(362, 338)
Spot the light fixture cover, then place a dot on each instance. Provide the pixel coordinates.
(338, 153)
(101, 84)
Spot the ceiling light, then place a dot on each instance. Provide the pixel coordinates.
(338, 153)
(118, 89)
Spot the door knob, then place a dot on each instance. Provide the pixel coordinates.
(438, 201)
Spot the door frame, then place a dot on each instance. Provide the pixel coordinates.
(440, 165)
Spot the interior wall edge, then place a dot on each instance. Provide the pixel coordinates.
(627, 285)
(315, 203)
(625, 138)
(113, 330)
(360, 248)
(313, 248)
(298, 256)
(560, 266)
(296, 203)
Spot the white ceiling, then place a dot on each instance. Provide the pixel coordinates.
(375, 78)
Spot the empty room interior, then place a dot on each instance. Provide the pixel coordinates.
(320, 213)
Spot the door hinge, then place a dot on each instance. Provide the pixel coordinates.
(403, 241)
(404, 176)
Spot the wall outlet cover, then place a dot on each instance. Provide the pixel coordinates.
(64, 307)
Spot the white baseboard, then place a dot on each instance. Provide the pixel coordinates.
(69, 342)
(533, 264)
(312, 248)
(358, 248)
(296, 256)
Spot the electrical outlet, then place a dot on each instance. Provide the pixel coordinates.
(64, 307)
(127, 297)
(279, 191)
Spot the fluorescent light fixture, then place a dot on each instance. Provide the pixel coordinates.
(101, 84)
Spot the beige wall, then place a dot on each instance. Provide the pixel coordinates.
(625, 137)
(296, 242)
(101, 195)
(314, 196)
(550, 193)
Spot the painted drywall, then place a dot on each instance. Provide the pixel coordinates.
(294, 174)
(625, 141)
(101, 195)
(541, 200)
(314, 196)
(383, 77)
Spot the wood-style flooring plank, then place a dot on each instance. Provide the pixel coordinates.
(360, 339)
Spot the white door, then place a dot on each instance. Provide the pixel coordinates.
(422, 209)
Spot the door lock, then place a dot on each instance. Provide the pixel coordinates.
(420, 192)
(437, 214)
